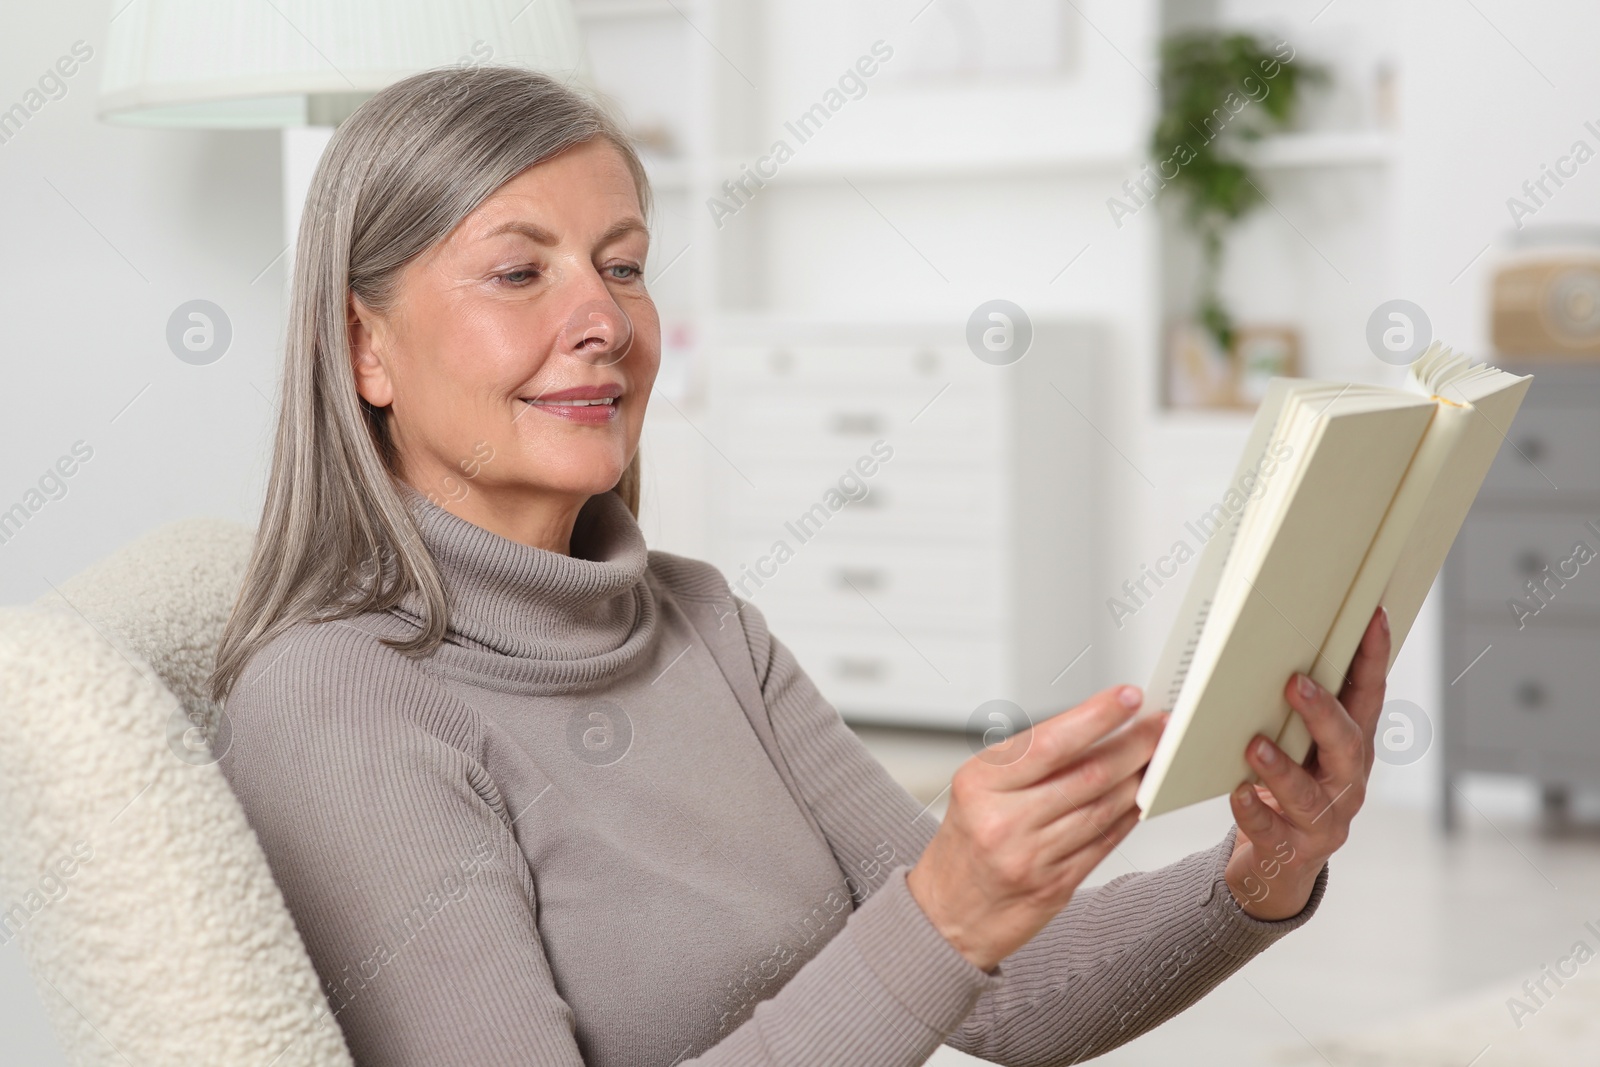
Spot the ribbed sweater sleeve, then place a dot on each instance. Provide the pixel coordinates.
(396, 855)
(1120, 959)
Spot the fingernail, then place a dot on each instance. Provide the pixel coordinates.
(1129, 696)
(1246, 795)
(1266, 753)
(1308, 688)
(1383, 618)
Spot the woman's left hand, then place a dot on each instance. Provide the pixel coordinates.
(1297, 817)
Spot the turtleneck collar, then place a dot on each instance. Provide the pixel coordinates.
(533, 618)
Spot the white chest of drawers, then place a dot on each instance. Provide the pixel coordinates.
(917, 525)
(1522, 686)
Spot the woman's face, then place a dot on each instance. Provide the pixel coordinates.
(519, 355)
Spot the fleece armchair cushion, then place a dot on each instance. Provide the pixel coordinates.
(143, 901)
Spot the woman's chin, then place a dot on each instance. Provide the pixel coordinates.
(597, 479)
(581, 471)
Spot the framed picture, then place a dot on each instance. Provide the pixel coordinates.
(1198, 373)
(1261, 353)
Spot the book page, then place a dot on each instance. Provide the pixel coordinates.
(1173, 666)
(1339, 645)
(1274, 605)
(1494, 397)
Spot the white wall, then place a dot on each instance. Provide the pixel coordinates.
(107, 230)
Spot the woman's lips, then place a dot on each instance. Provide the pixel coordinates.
(586, 404)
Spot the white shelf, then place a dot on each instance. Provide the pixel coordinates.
(1202, 419)
(1337, 148)
(628, 9)
(1297, 150)
(905, 168)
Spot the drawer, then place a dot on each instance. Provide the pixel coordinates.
(839, 424)
(1553, 444)
(1501, 553)
(931, 502)
(935, 588)
(872, 673)
(1537, 689)
(904, 362)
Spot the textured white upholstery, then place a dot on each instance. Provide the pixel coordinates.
(143, 902)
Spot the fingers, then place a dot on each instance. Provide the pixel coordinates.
(1056, 742)
(1299, 795)
(1080, 826)
(1086, 799)
(1340, 740)
(1105, 766)
(1264, 827)
(1078, 865)
(1362, 693)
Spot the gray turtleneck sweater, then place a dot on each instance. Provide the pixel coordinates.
(560, 841)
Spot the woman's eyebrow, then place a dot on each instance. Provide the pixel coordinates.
(536, 234)
(540, 235)
(624, 226)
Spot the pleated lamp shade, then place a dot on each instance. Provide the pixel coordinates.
(251, 64)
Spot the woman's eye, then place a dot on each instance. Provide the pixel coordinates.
(633, 272)
(517, 277)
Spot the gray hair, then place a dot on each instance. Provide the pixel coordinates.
(336, 538)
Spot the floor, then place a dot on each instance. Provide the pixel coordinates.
(1411, 919)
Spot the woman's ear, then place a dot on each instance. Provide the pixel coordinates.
(366, 358)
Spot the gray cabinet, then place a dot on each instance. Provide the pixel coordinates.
(1521, 598)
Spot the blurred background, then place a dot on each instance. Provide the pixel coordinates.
(965, 308)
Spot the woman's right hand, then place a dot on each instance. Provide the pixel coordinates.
(1028, 819)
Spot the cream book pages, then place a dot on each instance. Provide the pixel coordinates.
(1493, 397)
(1367, 486)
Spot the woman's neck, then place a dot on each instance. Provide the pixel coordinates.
(538, 518)
(565, 618)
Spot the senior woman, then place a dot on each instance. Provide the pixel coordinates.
(536, 794)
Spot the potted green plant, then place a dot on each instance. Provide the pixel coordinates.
(1217, 90)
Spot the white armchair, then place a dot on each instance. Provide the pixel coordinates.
(142, 900)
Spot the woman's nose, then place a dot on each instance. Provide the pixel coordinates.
(597, 332)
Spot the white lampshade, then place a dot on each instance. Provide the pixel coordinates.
(250, 64)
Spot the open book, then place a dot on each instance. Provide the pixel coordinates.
(1355, 493)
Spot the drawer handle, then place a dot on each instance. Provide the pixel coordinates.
(857, 422)
(862, 578)
(1531, 449)
(1530, 563)
(1530, 695)
(861, 670)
